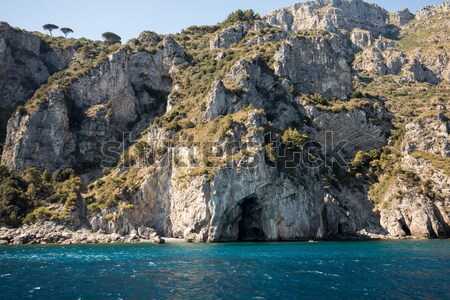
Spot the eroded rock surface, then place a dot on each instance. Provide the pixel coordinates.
(274, 122)
(420, 208)
(70, 128)
(331, 15)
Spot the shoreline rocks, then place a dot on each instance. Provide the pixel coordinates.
(45, 233)
(51, 233)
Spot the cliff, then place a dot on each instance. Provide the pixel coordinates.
(417, 202)
(26, 62)
(327, 119)
(331, 15)
(69, 125)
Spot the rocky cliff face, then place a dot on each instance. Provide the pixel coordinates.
(249, 198)
(432, 10)
(331, 15)
(419, 56)
(401, 17)
(420, 208)
(26, 62)
(245, 195)
(70, 127)
(257, 130)
(316, 65)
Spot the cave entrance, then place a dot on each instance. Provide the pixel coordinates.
(405, 227)
(250, 228)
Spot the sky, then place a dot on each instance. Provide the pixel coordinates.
(128, 18)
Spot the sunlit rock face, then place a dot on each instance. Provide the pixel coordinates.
(286, 105)
(121, 95)
(331, 15)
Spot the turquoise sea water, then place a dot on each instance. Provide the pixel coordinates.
(325, 270)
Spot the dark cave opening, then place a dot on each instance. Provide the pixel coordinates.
(250, 228)
(405, 228)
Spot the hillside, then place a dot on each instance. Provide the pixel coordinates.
(327, 119)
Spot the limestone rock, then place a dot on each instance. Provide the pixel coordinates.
(401, 17)
(219, 101)
(51, 233)
(315, 65)
(431, 10)
(158, 240)
(361, 38)
(253, 200)
(376, 61)
(331, 15)
(415, 71)
(417, 212)
(228, 36)
(26, 62)
(262, 32)
(72, 127)
(350, 129)
(255, 184)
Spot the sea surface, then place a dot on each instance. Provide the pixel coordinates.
(324, 270)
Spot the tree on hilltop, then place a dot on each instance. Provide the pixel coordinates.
(111, 38)
(50, 27)
(66, 31)
(242, 16)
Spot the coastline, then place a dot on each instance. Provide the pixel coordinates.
(48, 232)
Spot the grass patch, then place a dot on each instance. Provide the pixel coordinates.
(437, 161)
(405, 100)
(430, 34)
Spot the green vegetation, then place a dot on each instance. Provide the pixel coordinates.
(385, 170)
(95, 55)
(241, 16)
(45, 213)
(364, 160)
(32, 196)
(357, 101)
(217, 128)
(14, 204)
(115, 189)
(196, 76)
(294, 138)
(405, 100)
(85, 47)
(185, 122)
(426, 115)
(430, 34)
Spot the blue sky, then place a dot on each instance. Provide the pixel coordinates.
(127, 18)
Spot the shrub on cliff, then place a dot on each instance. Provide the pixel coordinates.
(364, 160)
(13, 202)
(241, 16)
(22, 196)
(292, 137)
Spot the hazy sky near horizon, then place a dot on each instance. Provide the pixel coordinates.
(90, 18)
